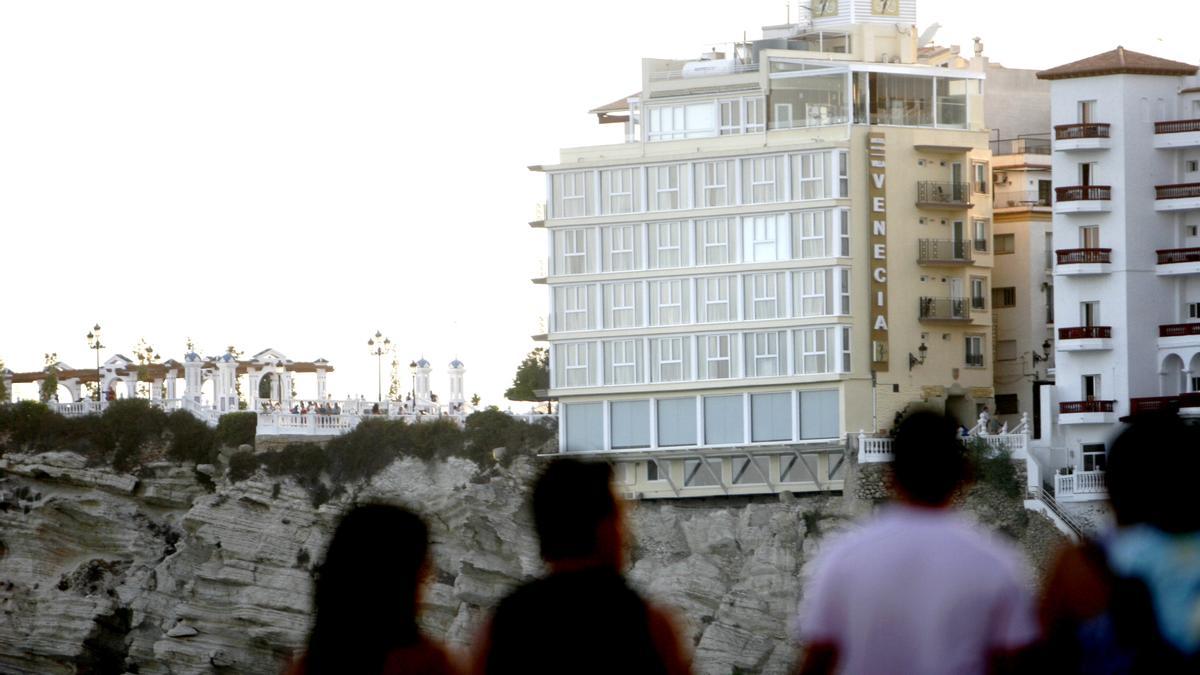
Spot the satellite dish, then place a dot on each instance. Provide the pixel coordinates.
(927, 35)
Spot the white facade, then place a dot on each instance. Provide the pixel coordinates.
(1127, 308)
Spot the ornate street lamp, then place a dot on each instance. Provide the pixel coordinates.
(93, 338)
(412, 370)
(377, 346)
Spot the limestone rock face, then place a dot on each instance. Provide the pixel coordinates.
(176, 570)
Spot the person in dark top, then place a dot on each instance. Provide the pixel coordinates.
(366, 598)
(582, 617)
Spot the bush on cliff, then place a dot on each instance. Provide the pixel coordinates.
(242, 465)
(234, 429)
(491, 428)
(29, 426)
(190, 439)
(993, 468)
(126, 426)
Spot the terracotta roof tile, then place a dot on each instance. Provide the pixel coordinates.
(1119, 61)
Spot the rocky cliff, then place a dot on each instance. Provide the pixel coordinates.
(177, 570)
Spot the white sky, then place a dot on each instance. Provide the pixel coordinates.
(299, 174)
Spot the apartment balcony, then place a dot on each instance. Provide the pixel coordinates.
(1080, 486)
(1178, 261)
(1177, 335)
(1087, 412)
(1089, 136)
(1084, 338)
(1178, 197)
(1021, 199)
(943, 196)
(1073, 261)
(1186, 404)
(955, 310)
(1177, 134)
(1083, 199)
(944, 252)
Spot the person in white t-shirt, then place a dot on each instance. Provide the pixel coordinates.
(919, 588)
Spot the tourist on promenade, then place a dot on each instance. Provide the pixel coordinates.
(1130, 601)
(582, 618)
(918, 589)
(367, 593)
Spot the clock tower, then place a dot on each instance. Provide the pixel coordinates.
(831, 13)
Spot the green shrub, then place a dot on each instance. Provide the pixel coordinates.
(491, 428)
(234, 429)
(242, 465)
(125, 427)
(190, 439)
(367, 449)
(993, 467)
(27, 424)
(305, 462)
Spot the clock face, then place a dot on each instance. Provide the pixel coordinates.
(885, 7)
(825, 7)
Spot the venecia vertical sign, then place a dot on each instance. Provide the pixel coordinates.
(877, 198)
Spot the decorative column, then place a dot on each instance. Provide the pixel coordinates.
(7, 376)
(156, 389)
(131, 387)
(253, 378)
(457, 398)
(321, 395)
(192, 377)
(226, 384)
(172, 375)
(422, 384)
(285, 384)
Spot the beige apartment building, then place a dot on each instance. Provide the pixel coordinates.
(791, 244)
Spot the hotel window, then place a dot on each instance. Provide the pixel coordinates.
(629, 424)
(1089, 313)
(770, 418)
(1087, 112)
(730, 111)
(808, 175)
(1004, 244)
(619, 188)
(671, 122)
(573, 248)
(762, 179)
(621, 305)
(571, 303)
(756, 119)
(819, 414)
(668, 187)
(716, 243)
(808, 234)
(844, 238)
(766, 238)
(714, 357)
(846, 349)
(667, 242)
(763, 355)
(979, 171)
(1004, 297)
(812, 351)
(676, 422)
(670, 359)
(1193, 310)
(715, 300)
(980, 226)
(763, 296)
(974, 351)
(843, 164)
(622, 361)
(712, 183)
(572, 192)
(573, 361)
(811, 293)
(1094, 456)
(621, 244)
(845, 274)
(670, 300)
(723, 417)
(584, 426)
(1089, 236)
(978, 293)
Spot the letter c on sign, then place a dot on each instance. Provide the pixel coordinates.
(880, 274)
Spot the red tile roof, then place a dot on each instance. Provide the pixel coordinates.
(1119, 61)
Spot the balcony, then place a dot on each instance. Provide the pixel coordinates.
(1084, 338)
(1187, 404)
(944, 252)
(1083, 198)
(1178, 261)
(1021, 199)
(943, 196)
(945, 309)
(1025, 145)
(1176, 335)
(1087, 412)
(1177, 134)
(1080, 486)
(1178, 197)
(1087, 136)
(1073, 261)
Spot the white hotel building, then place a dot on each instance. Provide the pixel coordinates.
(1126, 170)
(792, 244)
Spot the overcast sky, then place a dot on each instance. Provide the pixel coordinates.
(299, 174)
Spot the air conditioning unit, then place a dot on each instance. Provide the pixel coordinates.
(1000, 177)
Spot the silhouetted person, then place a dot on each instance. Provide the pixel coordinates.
(1129, 602)
(367, 593)
(582, 617)
(917, 589)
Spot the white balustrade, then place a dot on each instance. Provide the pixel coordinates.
(1080, 486)
(874, 449)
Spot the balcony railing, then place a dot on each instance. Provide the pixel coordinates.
(944, 309)
(1021, 146)
(1079, 193)
(1007, 199)
(1178, 191)
(975, 360)
(1179, 329)
(1189, 399)
(1092, 406)
(949, 194)
(1070, 132)
(1171, 256)
(1176, 126)
(1080, 256)
(1078, 483)
(943, 251)
(1085, 332)
(978, 303)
